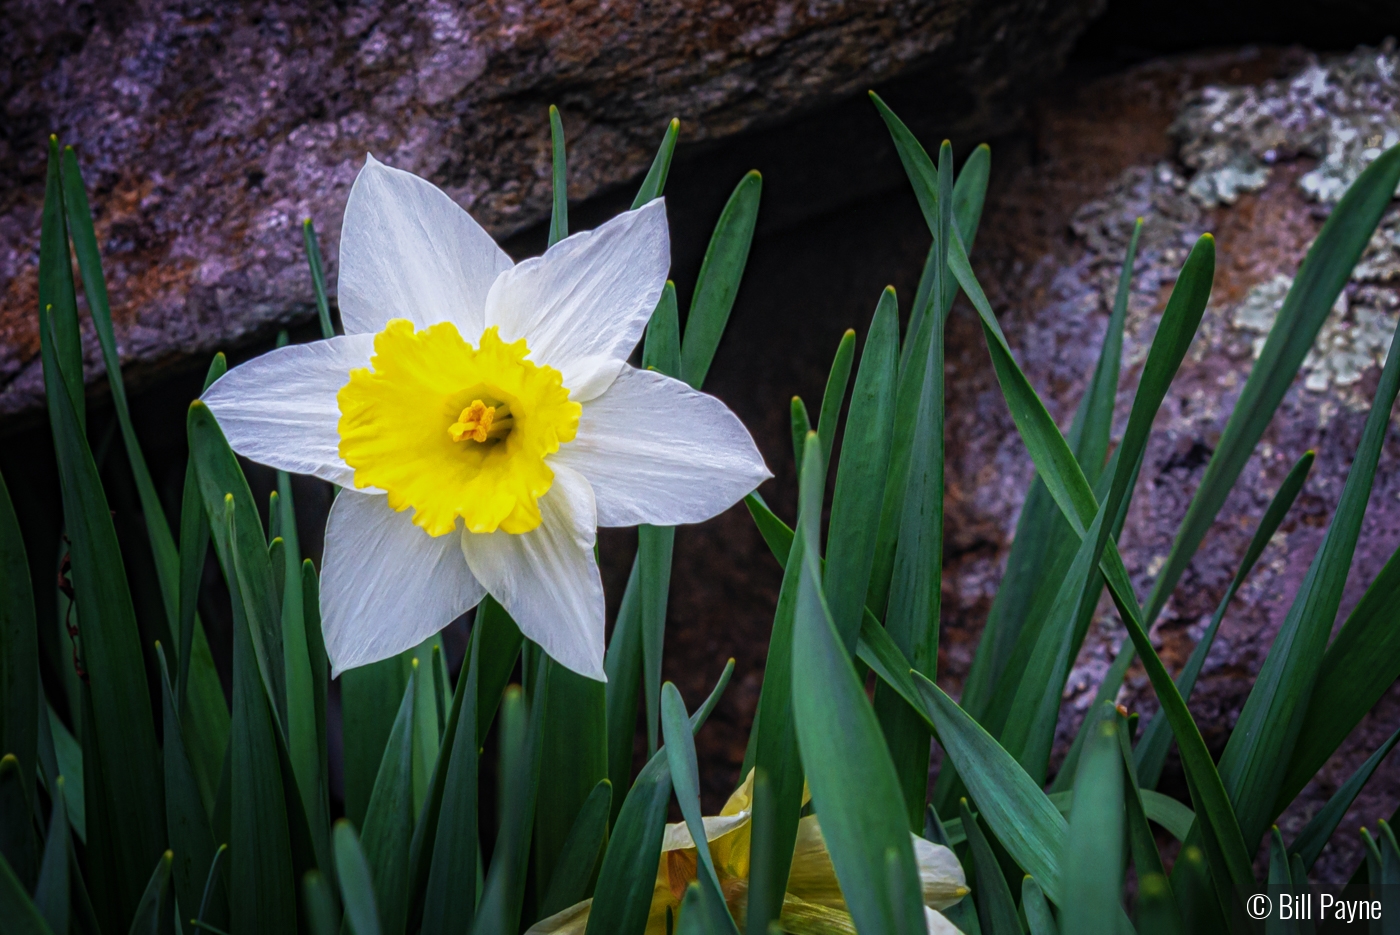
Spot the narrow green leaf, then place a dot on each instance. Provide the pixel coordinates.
(1195, 892)
(1257, 755)
(655, 181)
(915, 595)
(1315, 289)
(774, 736)
(277, 560)
(206, 710)
(1020, 815)
(627, 877)
(1147, 861)
(214, 902)
(444, 847)
(1066, 483)
(1034, 568)
(318, 811)
(1390, 870)
(860, 476)
(357, 890)
(574, 761)
(388, 827)
(19, 844)
(662, 350)
(1093, 863)
(1172, 815)
(1356, 670)
(198, 692)
(1373, 862)
(186, 821)
(1314, 837)
(764, 890)
(16, 908)
(693, 919)
(499, 912)
(623, 667)
(426, 740)
(365, 694)
(855, 787)
(559, 214)
(19, 654)
(1151, 753)
(441, 688)
(654, 544)
(685, 782)
(242, 551)
(968, 196)
(79, 218)
(318, 905)
(718, 282)
(52, 894)
(318, 277)
(262, 881)
(125, 806)
(1279, 873)
(578, 858)
(915, 591)
(1156, 909)
(155, 911)
(69, 754)
(501, 644)
(57, 297)
(303, 729)
(837, 382)
(1030, 724)
(996, 908)
(1038, 915)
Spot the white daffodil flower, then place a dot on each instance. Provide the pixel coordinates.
(483, 421)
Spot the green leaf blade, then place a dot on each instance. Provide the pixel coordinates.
(860, 476)
(854, 785)
(718, 282)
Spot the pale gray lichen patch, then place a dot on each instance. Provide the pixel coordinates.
(1342, 111)
(1357, 333)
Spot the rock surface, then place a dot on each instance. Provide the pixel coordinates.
(1258, 163)
(208, 131)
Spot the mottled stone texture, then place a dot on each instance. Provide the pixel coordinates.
(1137, 145)
(209, 130)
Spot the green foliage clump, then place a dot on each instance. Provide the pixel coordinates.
(159, 807)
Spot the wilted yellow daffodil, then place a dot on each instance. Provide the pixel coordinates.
(483, 420)
(813, 904)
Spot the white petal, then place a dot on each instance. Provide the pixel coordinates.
(583, 305)
(941, 876)
(407, 250)
(938, 924)
(280, 409)
(547, 578)
(386, 585)
(657, 451)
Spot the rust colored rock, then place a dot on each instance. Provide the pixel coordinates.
(208, 131)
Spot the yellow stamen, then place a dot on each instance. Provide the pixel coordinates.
(474, 422)
(456, 433)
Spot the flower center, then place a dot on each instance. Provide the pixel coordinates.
(455, 431)
(480, 422)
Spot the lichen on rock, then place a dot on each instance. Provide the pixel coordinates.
(1357, 333)
(1342, 111)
